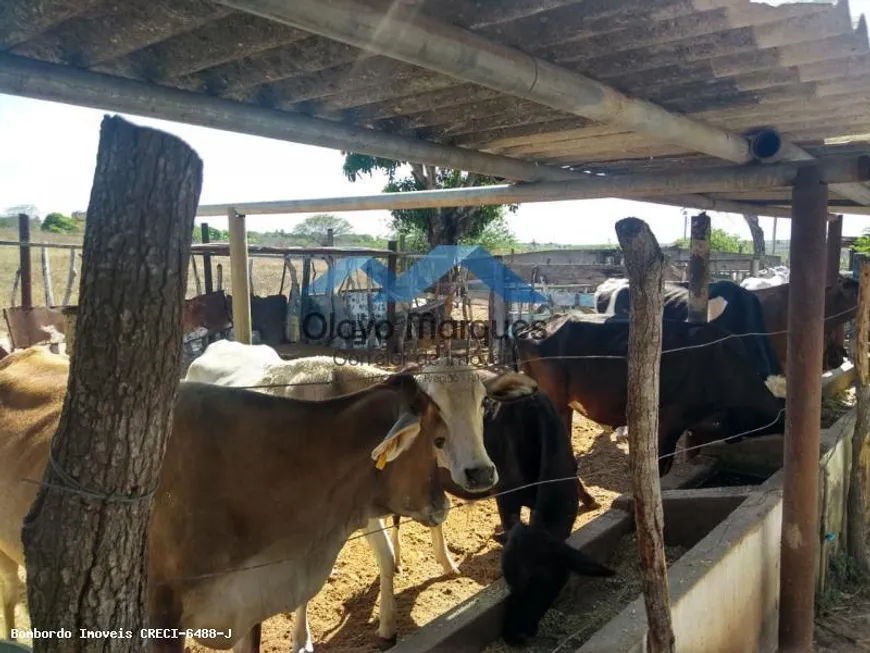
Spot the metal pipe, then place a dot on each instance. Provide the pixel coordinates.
(406, 35)
(56, 83)
(415, 39)
(800, 501)
(765, 144)
(640, 185)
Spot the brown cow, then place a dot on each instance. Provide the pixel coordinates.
(298, 478)
(841, 302)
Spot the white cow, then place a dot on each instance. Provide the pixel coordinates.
(456, 389)
(767, 278)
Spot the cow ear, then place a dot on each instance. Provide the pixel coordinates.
(510, 386)
(399, 439)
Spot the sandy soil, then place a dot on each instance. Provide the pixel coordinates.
(343, 617)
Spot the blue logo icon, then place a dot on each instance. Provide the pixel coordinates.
(427, 271)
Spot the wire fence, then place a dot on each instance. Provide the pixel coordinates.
(69, 484)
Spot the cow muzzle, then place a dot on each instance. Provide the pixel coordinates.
(481, 478)
(436, 514)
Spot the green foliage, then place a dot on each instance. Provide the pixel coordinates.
(315, 228)
(58, 223)
(862, 245)
(721, 241)
(425, 228)
(282, 238)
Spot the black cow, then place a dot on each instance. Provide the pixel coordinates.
(528, 443)
(536, 565)
(742, 315)
(578, 360)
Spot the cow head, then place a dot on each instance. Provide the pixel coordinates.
(507, 388)
(406, 457)
(459, 394)
(841, 301)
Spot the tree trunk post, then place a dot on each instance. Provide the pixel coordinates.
(800, 496)
(24, 256)
(699, 268)
(856, 522)
(206, 260)
(85, 537)
(330, 238)
(644, 263)
(757, 235)
(241, 285)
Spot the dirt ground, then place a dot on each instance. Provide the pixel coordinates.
(843, 611)
(343, 617)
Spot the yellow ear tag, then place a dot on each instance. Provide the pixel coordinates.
(382, 459)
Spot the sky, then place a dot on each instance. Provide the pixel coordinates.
(49, 153)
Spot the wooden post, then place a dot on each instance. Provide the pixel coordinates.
(70, 277)
(239, 277)
(46, 277)
(305, 327)
(206, 260)
(86, 553)
(773, 247)
(220, 276)
(24, 256)
(251, 275)
(800, 501)
(645, 263)
(15, 287)
(196, 280)
(330, 238)
(392, 267)
(699, 268)
(837, 337)
(856, 522)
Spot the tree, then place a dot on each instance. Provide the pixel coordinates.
(58, 223)
(85, 537)
(720, 241)
(316, 227)
(441, 226)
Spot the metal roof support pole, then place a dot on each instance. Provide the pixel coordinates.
(461, 54)
(239, 279)
(57, 83)
(800, 510)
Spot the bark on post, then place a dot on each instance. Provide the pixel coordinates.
(85, 542)
(857, 510)
(800, 500)
(699, 268)
(644, 263)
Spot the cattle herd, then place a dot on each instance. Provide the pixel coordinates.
(333, 449)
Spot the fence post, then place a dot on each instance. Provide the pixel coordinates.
(330, 238)
(71, 277)
(392, 267)
(857, 510)
(644, 263)
(699, 268)
(46, 276)
(206, 260)
(241, 286)
(24, 257)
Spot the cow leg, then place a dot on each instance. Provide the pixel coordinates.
(379, 540)
(10, 586)
(587, 499)
(509, 509)
(301, 642)
(442, 555)
(250, 643)
(397, 547)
